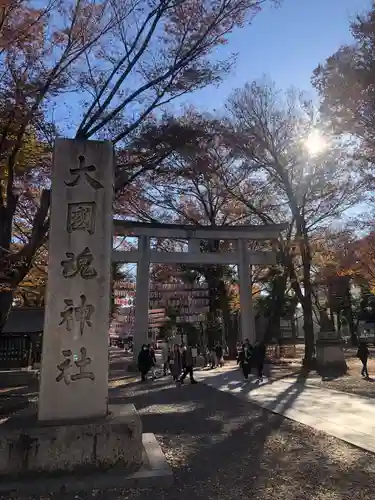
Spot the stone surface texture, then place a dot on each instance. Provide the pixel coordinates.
(74, 370)
(84, 446)
(330, 353)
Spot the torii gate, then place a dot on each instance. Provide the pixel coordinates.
(75, 361)
(242, 257)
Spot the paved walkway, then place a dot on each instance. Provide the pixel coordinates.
(342, 415)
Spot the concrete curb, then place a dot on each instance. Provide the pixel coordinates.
(155, 473)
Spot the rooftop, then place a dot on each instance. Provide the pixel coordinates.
(24, 320)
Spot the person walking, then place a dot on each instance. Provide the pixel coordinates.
(175, 362)
(187, 365)
(145, 362)
(259, 356)
(363, 354)
(166, 357)
(219, 355)
(244, 360)
(153, 357)
(205, 354)
(212, 358)
(194, 353)
(170, 359)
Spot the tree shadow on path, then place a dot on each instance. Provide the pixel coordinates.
(225, 447)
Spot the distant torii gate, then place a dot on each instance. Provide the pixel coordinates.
(242, 257)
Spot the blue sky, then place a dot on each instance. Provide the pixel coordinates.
(286, 44)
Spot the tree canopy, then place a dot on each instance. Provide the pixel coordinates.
(119, 62)
(268, 156)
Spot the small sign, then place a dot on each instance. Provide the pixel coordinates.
(286, 333)
(329, 335)
(366, 336)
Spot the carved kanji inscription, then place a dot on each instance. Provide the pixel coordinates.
(83, 171)
(81, 313)
(79, 264)
(65, 367)
(81, 217)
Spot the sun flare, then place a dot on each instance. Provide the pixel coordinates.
(315, 143)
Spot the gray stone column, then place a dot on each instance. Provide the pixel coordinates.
(194, 246)
(253, 337)
(142, 295)
(74, 368)
(246, 300)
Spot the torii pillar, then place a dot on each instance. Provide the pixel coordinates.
(246, 294)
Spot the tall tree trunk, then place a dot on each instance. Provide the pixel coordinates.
(6, 294)
(213, 273)
(278, 297)
(14, 267)
(232, 337)
(213, 327)
(308, 322)
(6, 299)
(230, 334)
(352, 327)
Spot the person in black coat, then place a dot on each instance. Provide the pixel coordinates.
(363, 354)
(218, 354)
(153, 357)
(244, 360)
(259, 356)
(187, 365)
(145, 362)
(175, 362)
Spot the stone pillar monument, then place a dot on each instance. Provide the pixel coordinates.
(78, 438)
(142, 295)
(74, 368)
(246, 298)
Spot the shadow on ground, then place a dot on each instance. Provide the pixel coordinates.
(222, 447)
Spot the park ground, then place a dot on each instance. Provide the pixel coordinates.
(222, 447)
(351, 382)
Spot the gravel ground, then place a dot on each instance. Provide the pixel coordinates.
(352, 382)
(221, 447)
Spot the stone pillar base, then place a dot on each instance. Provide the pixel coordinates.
(154, 473)
(29, 448)
(330, 357)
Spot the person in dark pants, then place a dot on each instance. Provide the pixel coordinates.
(187, 365)
(218, 354)
(205, 353)
(259, 356)
(244, 360)
(363, 354)
(145, 362)
(176, 362)
(166, 357)
(153, 357)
